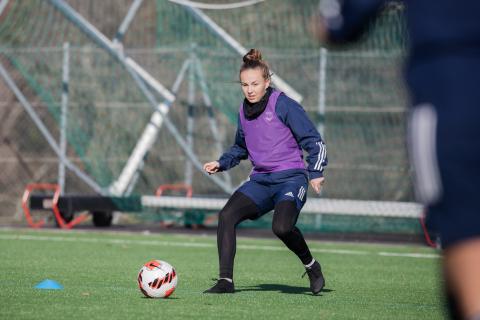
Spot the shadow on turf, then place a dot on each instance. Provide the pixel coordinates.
(280, 288)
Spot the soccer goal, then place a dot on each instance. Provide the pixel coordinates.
(121, 97)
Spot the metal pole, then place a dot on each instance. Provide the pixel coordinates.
(111, 48)
(3, 5)
(322, 84)
(235, 45)
(146, 140)
(127, 20)
(178, 137)
(190, 116)
(43, 129)
(143, 79)
(64, 116)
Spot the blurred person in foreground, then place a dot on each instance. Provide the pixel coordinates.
(272, 131)
(443, 75)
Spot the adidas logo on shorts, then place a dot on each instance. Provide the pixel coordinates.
(290, 194)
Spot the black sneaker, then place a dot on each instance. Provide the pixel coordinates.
(222, 286)
(317, 281)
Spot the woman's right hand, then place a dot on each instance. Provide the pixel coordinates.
(211, 167)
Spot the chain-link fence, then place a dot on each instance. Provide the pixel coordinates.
(354, 95)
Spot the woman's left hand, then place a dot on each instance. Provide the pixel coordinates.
(317, 184)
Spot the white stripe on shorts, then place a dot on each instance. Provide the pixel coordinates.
(422, 140)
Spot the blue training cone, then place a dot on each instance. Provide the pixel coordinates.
(49, 284)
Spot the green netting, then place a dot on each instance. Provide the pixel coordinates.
(279, 24)
(364, 118)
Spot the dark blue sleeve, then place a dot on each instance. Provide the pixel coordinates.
(346, 20)
(236, 153)
(307, 136)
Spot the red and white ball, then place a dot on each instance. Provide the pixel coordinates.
(157, 279)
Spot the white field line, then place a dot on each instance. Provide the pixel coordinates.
(410, 255)
(187, 244)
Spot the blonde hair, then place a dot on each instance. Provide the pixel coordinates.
(253, 60)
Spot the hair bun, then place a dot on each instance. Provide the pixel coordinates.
(252, 55)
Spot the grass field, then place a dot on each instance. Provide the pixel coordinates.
(99, 270)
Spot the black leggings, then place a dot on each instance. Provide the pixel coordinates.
(239, 208)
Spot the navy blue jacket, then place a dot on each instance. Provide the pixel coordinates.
(435, 28)
(307, 136)
(444, 45)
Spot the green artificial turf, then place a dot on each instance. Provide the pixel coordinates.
(98, 271)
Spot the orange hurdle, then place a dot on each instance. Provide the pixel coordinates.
(54, 205)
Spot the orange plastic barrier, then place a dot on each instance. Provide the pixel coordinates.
(175, 187)
(429, 241)
(38, 224)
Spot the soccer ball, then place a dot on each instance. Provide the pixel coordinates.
(157, 279)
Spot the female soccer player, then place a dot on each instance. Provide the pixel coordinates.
(272, 131)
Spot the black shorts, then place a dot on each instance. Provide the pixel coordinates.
(445, 144)
(268, 189)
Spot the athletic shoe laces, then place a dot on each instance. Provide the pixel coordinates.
(312, 272)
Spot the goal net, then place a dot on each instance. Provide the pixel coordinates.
(138, 94)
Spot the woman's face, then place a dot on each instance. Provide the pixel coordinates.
(253, 84)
